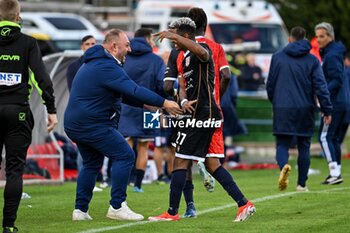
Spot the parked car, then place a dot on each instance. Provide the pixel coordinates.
(46, 45)
(65, 30)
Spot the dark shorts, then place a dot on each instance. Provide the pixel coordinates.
(191, 143)
(165, 138)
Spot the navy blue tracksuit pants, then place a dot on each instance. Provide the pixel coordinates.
(94, 146)
(282, 154)
(330, 136)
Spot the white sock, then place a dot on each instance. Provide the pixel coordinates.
(333, 169)
(339, 168)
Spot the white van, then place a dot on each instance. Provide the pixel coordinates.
(256, 22)
(64, 29)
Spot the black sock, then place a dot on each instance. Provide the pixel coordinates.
(178, 180)
(139, 177)
(227, 182)
(188, 192)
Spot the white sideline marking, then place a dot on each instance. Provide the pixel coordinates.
(261, 199)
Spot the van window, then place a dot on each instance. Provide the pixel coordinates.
(67, 44)
(63, 23)
(178, 12)
(270, 37)
(28, 24)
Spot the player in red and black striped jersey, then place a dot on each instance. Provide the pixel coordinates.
(198, 76)
(192, 143)
(222, 78)
(173, 72)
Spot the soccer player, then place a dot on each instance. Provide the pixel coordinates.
(221, 80)
(198, 101)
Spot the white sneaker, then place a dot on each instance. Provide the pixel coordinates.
(80, 215)
(97, 189)
(123, 213)
(302, 189)
(104, 185)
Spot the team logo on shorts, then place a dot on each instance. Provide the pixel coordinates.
(151, 120)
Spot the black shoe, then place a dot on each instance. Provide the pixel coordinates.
(333, 180)
(10, 230)
(326, 180)
(163, 179)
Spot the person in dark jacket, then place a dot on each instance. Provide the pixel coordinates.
(18, 53)
(149, 75)
(345, 126)
(332, 54)
(88, 122)
(86, 43)
(251, 77)
(294, 79)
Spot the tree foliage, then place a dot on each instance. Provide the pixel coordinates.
(308, 13)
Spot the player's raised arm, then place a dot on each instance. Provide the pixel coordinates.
(184, 40)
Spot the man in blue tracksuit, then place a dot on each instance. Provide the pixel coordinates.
(149, 75)
(97, 86)
(332, 54)
(345, 126)
(295, 78)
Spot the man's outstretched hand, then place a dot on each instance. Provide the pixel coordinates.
(172, 107)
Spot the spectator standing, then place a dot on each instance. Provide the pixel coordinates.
(251, 77)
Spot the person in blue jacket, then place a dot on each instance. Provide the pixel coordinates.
(149, 75)
(86, 43)
(294, 79)
(97, 86)
(345, 126)
(332, 54)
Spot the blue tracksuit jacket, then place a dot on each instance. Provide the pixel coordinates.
(295, 78)
(333, 69)
(96, 89)
(347, 79)
(147, 70)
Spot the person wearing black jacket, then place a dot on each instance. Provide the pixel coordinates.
(18, 54)
(295, 79)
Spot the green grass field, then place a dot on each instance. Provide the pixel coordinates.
(323, 209)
